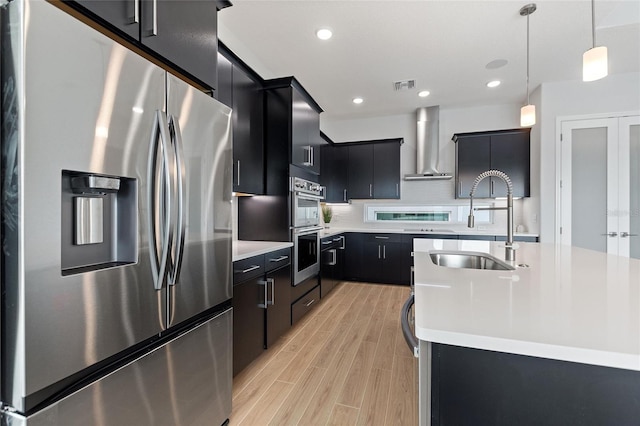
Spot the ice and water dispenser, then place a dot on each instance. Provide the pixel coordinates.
(99, 221)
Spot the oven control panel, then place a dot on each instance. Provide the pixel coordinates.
(306, 187)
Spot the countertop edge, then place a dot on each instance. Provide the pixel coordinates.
(328, 232)
(541, 350)
(246, 249)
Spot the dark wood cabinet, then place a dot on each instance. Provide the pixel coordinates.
(504, 150)
(481, 387)
(360, 171)
(241, 89)
(386, 170)
(181, 33)
(248, 313)
(278, 313)
(334, 173)
(292, 126)
(332, 262)
(374, 258)
(119, 14)
(261, 304)
(374, 169)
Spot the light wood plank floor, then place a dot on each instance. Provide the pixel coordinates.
(345, 363)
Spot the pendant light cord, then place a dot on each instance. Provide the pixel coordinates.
(593, 21)
(528, 103)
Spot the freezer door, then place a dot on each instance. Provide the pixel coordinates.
(74, 101)
(186, 382)
(202, 127)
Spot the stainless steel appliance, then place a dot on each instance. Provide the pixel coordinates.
(306, 197)
(305, 218)
(116, 233)
(306, 253)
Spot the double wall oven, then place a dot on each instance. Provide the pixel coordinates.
(305, 204)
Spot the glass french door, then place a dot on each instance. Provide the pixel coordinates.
(600, 188)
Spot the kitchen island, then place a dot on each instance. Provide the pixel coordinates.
(555, 341)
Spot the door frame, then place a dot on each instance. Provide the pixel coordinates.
(559, 214)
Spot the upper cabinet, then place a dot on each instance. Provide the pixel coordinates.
(292, 132)
(361, 170)
(504, 150)
(334, 173)
(181, 33)
(374, 169)
(241, 89)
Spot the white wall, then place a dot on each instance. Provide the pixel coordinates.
(615, 93)
(452, 120)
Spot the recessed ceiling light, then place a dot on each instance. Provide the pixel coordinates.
(424, 93)
(324, 33)
(358, 100)
(494, 83)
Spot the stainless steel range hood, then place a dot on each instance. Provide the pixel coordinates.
(428, 129)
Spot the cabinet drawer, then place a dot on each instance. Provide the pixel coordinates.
(248, 268)
(328, 243)
(305, 304)
(277, 258)
(381, 238)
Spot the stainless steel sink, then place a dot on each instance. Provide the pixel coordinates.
(469, 260)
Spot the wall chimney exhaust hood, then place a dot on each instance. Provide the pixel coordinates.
(428, 130)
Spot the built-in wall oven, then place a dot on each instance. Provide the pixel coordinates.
(305, 205)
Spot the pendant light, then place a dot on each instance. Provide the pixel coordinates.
(594, 61)
(528, 112)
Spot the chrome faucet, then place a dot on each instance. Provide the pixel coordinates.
(510, 252)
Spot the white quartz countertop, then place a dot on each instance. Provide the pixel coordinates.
(570, 304)
(246, 249)
(328, 232)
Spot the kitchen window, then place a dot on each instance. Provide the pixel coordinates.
(453, 214)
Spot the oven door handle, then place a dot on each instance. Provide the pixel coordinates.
(307, 231)
(306, 196)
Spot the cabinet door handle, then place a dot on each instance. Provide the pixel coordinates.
(249, 269)
(491, 186)
(611, 234)
(378, 237)
(265, 284)
(272, 281)
(378, 251)
(154, 14)
(460, 188)
(397, 189)
(344, 195)
(313, 156)
(384, 252)
(334, 257)
(238, 173)
(370, 190)
(626, 234)
(136, 11)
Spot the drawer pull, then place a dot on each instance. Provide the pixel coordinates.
(324, 243)
(335, 240)
(251, 268)
(381, 238)
(311, 302)
(279, 259)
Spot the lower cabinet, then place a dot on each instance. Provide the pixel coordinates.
(305, 304)
(261, 304)
(278, 318)
(375, 258)
(332, 262)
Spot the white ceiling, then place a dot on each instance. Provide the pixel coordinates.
(443, 45)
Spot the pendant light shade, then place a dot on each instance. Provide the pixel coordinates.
(527, 115)
(528, 112)
(595, 64)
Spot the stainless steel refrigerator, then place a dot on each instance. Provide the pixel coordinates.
(116, 233)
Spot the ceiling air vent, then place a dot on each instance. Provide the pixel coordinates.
(400, 86)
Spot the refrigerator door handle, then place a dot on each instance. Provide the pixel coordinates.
(177, 250)
(158, 199)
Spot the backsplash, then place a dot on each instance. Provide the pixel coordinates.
(353, 216)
